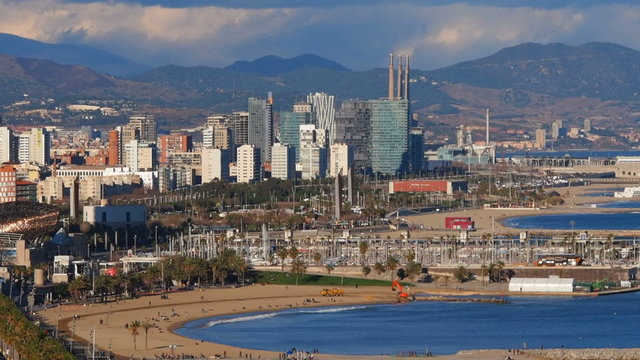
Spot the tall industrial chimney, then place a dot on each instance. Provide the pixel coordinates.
(487, 127)
(399, 89)
(390, 76)
(406, 78)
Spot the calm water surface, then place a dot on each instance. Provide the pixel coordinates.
(581, 221)
(444, 328)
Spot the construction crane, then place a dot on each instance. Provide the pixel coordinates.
(402, 295)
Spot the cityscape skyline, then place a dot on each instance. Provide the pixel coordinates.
(435, 34)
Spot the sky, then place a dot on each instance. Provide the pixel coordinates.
(356, 33)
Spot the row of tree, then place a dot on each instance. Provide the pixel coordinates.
(179, 270)
(24, 339)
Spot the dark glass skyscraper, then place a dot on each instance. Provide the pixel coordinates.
(389, 136)
(352, 123)
(260, 131)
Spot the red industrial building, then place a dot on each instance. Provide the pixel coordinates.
(440, 186)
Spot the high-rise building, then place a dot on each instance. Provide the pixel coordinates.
(114, 147)
(389, 136)
(240, 125)
(555, 131)
(541, 138)
(146, 126)
(141, 155)
(174, 143)
(283, 161)
(7, 145)
(324, 113)
(261, 126)
(7, 184)
(353, 128)
(39, 146)
(313, 162)
(290, 129)
(416, 150)
(340, 159)
(215, 164)
(248, 165)
(310, 135)
(24, 142)
(587, 125)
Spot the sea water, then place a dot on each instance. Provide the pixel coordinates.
(441, 327)
(577, 221)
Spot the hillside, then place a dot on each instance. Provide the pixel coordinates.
(46, 79)
(69, 54)
(272, 65)
(599, 70)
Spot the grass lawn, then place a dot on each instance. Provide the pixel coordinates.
(279, 278)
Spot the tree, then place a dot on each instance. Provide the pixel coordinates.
(364, 247)
(413, 269)
(133, 327)
(226, 263)
(103, 286)
(146, 325)
(77, 286)
(379, 268)
(283, 253)
(298, 267)
(411, 256)
(366, 270)
(484, 270)
(293, 253)
(317, 257)
(461, 274)
(392, 265)
(150, 276)
(330, 268)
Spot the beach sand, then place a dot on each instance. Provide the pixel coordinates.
(109, 319)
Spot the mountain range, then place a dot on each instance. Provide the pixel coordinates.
(523, 81)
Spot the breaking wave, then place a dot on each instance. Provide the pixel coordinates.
(279, 313)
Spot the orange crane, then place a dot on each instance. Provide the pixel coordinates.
(402, 295)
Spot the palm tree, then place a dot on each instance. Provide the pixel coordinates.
(77, 286)
(150, 276)
(364, 247)
(392, 265)
(283, 253)
(133, 327)
(298, 267)
(146, 325)
(379, 268)
(317, 257)
(366, 270)
(484, 270)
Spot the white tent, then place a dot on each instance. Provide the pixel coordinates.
(550, 284)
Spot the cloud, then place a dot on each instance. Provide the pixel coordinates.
(357, 33)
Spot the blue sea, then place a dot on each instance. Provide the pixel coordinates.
(443, 328)
(577, 221)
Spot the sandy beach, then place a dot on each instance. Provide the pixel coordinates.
(109, 320)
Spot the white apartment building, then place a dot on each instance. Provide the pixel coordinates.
(283, 161)
(340, 158)
(248, 167)
(215, 165)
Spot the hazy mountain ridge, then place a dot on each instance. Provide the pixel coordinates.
(272, 64)
(600, 70)
(522, 79)
(69, 54)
